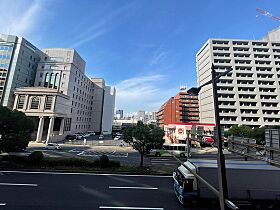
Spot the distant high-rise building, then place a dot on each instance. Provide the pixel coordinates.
(179, 109)
(18, 64)
(119, 114)
(141, 116)
(248, 95)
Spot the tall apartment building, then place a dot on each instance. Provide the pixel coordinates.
(248, 95)
(18, 64)
(180, 108)
(63, 96)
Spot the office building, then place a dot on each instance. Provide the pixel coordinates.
(181, 108)
(248, 95)
(119, 114)
(63, 96)
(18, 64)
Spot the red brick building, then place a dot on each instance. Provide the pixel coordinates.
(180, 108)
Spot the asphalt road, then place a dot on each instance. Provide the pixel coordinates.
(80, 191)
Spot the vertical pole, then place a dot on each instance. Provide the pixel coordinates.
(188, 144)
(223, 192)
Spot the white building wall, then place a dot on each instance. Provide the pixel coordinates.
(63, 69)
(108, 109)
(97, 106)
(250, 94)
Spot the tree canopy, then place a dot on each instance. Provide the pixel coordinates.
(143, 138)
(247, 132)
(15, 130)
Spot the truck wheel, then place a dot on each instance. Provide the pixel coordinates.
(182, 155)
(157, 154)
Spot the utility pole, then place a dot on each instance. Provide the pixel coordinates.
(223, 191)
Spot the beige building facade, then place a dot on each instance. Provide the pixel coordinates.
(248, 95)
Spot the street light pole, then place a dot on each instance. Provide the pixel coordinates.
(223, 191)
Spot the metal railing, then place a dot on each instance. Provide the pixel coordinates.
(248, 148)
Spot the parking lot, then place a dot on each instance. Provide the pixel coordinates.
(125, 154)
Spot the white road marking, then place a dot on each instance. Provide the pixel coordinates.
(18, 184)
(136, 208)
(87, 174)
(138, 188)
(3, 204)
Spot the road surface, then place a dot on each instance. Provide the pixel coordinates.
(86, 191)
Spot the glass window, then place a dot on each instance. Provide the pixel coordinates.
(20, 103)
(47, 78)
(48, 104)
(35, 101)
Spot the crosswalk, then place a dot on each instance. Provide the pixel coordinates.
(100, 153)
(165, 161)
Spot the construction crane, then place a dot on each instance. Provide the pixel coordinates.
(267, 14)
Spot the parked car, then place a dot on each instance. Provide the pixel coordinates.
(70, 137)
(79, 136)
(85, 135)
(208, 140)
(91, 133)
(117, 138)
(101, 137)
(53, 146)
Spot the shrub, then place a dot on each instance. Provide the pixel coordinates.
(96, 163)
(104, 161)
(36, 157)
(14, 158)
(115, 163)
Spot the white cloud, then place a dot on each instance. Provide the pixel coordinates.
(20, 17)
(143, 93)
(159, 56)
(101, 27)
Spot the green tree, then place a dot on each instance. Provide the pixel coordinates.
(15, 130)
(247, 132)
(144, 137)
(241, 131)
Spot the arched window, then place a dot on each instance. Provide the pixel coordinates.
(47, 78)
(35, 102)
(56, 80)
(52, 80)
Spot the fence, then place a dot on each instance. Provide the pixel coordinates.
(248, 148)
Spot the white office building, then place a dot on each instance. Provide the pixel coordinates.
(250, 94)
(62, 96)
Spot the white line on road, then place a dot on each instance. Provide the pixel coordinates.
(87, 174)
(137, 188)
(138, 208)
(18, 184)
(3, 204)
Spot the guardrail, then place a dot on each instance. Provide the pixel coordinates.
(248, 148)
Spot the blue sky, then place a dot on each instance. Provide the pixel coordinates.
(145, 48)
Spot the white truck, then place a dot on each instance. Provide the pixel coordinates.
(250, 182)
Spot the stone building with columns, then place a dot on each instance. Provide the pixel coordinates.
(62, 97)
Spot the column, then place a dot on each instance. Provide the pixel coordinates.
(15, 102)
(26, 102)
(61, 126)
(40, 129)
(50, 130)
